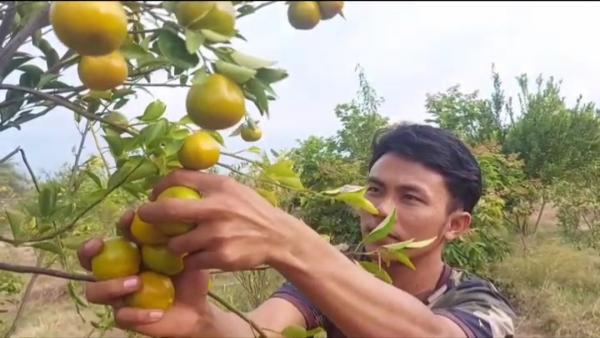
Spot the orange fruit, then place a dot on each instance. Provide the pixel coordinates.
(216, 103)
(159, 259)
(329, 9)
(250, 134)
(218, 16)
(89, 27)
(118, 258)
(304, 14)
(103, 72)
(157, 292)
(199, 151)
(146, 233)
(174, 229)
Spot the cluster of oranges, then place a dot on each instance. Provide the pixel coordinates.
(307, 14)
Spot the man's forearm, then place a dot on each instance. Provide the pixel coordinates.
(359, 304)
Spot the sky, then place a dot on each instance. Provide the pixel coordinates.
(406, 49)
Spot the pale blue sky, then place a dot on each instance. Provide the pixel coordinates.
(407, 50)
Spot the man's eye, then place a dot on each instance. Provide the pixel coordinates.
(372, 189)
(411, 197)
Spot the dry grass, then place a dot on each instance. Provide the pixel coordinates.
(555, 288)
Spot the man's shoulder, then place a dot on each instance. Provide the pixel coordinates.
(477, 300)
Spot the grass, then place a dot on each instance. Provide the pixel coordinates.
(554, 287)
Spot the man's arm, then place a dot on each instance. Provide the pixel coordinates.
(357, 302)
(273, 316)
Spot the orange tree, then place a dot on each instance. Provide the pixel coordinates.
(117, 49)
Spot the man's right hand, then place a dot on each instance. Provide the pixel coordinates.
(189, 315)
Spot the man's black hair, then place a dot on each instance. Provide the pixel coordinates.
(439, 150)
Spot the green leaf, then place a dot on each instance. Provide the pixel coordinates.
(283, 173)
(14, 64)
(376, 270)
(294, 331)
(99, 95)
(383, 229)
(114, 144)
(75, 242)
(399, 256)
(16, 220)
(31, 76)
(154, 111)
(410, 244)
(269, 196)
(46, 79)
(153, 133)
(270, 75)
(255, 150)
(48, 246)
(193, 40)
(94, 177)
(199, 77)
(354, 196)
(169, 5)
(213, 36)
(146, 168)
(239, 74)
(51, 55)
(120, 103)
(250, 61)
(132, 50)
(47, 200)
(257, 89)
(174, 48)
(217, 136)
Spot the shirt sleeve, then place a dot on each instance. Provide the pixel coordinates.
(312, 316)
(479, 309)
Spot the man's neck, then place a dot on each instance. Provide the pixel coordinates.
(421, 280)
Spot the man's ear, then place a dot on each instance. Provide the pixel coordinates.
(458, 225)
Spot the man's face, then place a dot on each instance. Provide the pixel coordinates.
(421, 199)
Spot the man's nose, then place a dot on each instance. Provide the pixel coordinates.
(385, 207)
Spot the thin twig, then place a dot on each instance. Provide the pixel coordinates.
(31, 174)
(175, 85)
(67, 104)
(238, 313)
(256, 8)
(79, 151)
(7, 52)
(11, 154)
(44, 271)
(7, 21)
(97, 142)
(241, 158)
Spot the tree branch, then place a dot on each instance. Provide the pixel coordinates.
(96, 141)
(44, 271)
(265, 4)
(7, 21)
(13, 45)
(79, 151)
(176, 85)
(65, 103)
(221, 301)
(11, 154)
(31, 174)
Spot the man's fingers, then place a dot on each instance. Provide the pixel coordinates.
(124, 224)
(177, 210)
(130, 317)
(196, 240)
(106, 292)
(87, 251)
(199, 181)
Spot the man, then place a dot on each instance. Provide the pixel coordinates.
(428, 176)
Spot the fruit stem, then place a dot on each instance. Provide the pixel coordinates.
(241, 158)
(265, 4)
(229, 307)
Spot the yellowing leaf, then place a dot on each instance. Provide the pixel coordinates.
(376, 270)
(269, 196)
(383, 229)
(294, 331)
(355, 197)
(283, 173)
(398, 256)
(250, 61)
(239, 74)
